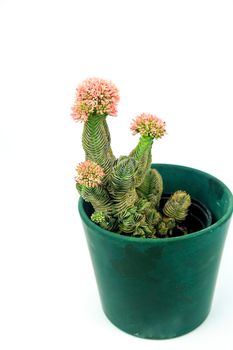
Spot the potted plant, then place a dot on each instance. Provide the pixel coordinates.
(155, 232)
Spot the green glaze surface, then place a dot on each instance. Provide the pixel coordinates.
(162, 288)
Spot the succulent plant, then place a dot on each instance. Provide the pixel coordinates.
(125, 193)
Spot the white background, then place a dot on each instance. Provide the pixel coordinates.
(171, 58)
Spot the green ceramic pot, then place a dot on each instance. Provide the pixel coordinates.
(162, 288)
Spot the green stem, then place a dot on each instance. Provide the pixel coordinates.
(144, 146)
(97, 196)
(96, 143)
(122, 184)
(142, 153)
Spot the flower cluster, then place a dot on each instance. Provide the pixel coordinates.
(89, 174)
(98, 217)
(97, 96)
(148, 125)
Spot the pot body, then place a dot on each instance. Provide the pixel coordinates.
(162, 288)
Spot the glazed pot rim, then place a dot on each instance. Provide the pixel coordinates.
(114, 235)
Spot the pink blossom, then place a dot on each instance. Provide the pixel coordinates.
(89, 174)
(97, 96)
(148, 125)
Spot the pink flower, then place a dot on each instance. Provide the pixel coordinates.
(97, 96)
(148, 125)
(89, 174)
